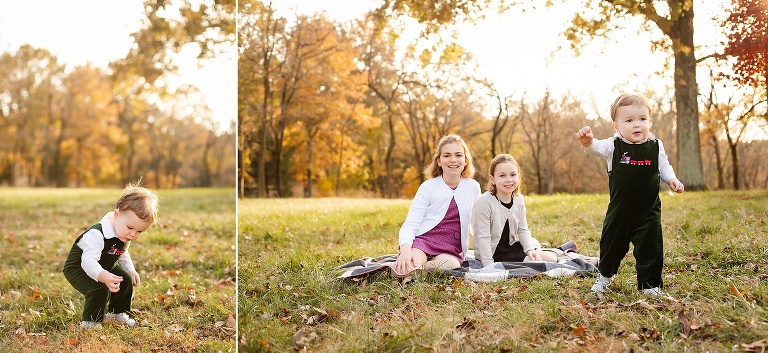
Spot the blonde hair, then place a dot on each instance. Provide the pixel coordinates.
(629, 99)
(434, 170)
(503, 158)
(142, 201)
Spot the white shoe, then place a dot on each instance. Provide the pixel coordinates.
(655, 292)
(601, 284)
(90, 325)
(121, 317)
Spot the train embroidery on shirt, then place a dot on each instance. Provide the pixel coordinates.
(625, 159)
(115, 251)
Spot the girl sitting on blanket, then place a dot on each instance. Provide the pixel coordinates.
(499, 229)
(435, 233)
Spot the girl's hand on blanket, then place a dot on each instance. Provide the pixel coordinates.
(540, 255)
(404, 262)
(534, 255)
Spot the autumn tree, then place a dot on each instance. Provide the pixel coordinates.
(82, 120)
(28, 79)
(262, 41)
(383, 80)
(747, 29)
(168, 26)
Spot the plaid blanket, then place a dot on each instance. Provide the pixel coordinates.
(569, 263)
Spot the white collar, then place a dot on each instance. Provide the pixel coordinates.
(650, 137)
(106, 227)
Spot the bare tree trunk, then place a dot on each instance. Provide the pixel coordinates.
(735, 161)
(719, 161)
(388, 187)
(686, 91)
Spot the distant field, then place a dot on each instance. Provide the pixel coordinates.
(716, 246)
(185, 303)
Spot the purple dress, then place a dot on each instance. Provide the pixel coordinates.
(445, 237)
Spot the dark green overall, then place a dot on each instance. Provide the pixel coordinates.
(96, 293)
(634, 213)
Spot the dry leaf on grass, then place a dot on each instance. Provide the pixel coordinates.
(736, 292)
(468, 324)
(175, 328)
(578, 331)
(650, 334)
(36, 294)
(316, 319)
(684, 321)
(301, 339)
(757, 346)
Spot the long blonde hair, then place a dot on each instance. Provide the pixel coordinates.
(434, 170)
(503, 158)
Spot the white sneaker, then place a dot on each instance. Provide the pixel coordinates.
(655, 292)
(121, 317)
(601, 284)
(90, 325)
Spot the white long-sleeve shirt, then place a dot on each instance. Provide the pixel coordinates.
(604, 148)
(430, 204)
(92, 244)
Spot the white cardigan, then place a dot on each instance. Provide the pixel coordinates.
(489, 217)
(430, 205)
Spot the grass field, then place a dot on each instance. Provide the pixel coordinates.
(716, 246)
(185, 303)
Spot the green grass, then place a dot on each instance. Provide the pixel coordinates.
(186, 264)
(716, 246)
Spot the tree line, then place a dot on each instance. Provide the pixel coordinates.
(90, 126)
(335, 109)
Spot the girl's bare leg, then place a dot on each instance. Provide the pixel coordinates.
(442, 262)
(419, 258)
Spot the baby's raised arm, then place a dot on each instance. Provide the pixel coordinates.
(585, 136)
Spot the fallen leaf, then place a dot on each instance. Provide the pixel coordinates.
(684, 321)
(36, 294)
(301, 339)
(73, 342)
(231, 321)
(757, 346)
(736, 292)
(578, 331)
(468, 324)
(643, 304)
(651, 334)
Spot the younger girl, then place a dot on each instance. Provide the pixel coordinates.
(435, 232)
(499, 228)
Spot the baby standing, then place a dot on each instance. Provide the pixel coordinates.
(636, 163)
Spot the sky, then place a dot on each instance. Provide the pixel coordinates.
(97, 31)
(518, 51)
